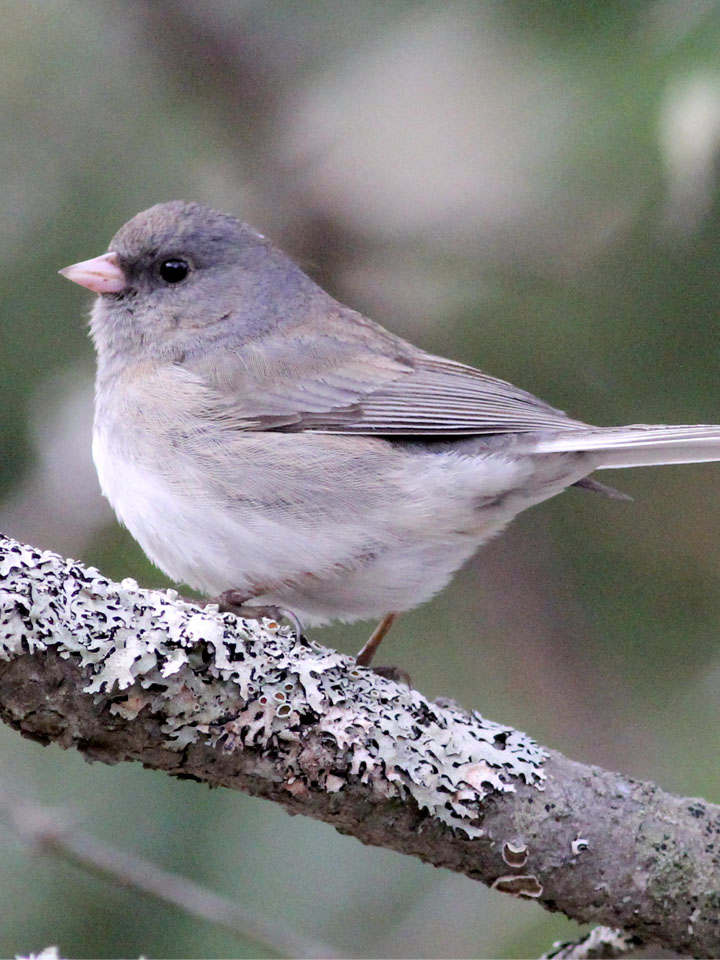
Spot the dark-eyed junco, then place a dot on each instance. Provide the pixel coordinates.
(257, 436)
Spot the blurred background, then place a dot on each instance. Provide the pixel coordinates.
(529, 186)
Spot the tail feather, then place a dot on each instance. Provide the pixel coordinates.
(639, 445)
(587, 483)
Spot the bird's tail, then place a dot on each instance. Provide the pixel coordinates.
(638, 445)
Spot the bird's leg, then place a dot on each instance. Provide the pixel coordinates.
(366, 654)
(234, 601)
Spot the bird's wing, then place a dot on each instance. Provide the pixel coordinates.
(366, 391)
(438, 397)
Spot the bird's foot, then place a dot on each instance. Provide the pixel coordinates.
(235, 602)
(393, 673)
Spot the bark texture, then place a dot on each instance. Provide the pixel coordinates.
(121, 673)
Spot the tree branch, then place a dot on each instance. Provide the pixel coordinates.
(601, 943)
(53, 831)
(122, 673)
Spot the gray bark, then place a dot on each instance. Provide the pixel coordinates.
(121, 673)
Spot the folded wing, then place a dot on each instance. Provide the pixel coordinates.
(339, 391)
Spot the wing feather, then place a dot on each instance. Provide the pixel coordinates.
(348, 388)
(439, 398)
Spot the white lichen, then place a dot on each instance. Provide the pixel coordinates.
(515, 854)
(49, 953)
(599, 942)
(290, 696)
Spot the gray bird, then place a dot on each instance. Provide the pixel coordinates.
(263, 442)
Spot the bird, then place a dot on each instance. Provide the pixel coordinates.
(277, 450)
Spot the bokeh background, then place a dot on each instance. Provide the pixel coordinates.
(526, 185)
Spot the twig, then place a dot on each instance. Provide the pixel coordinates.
(49, 830)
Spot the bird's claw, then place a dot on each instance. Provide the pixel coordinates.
(232, 601)
(394, 673)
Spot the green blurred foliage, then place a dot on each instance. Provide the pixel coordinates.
(565, 240)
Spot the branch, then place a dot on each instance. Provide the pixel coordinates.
(51, 831)
(601, 943)
(122, 673)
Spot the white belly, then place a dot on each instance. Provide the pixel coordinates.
(309, 525)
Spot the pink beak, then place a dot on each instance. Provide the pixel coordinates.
(102, 274)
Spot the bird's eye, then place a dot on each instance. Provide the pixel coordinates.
(174, 270)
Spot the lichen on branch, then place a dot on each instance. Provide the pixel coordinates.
(122, 673)
(149, 650)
